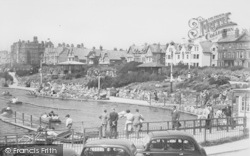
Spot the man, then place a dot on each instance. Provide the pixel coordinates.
(207, 114)
(175, 118)
(113, 118)
(138, 118)
(104, 118)
(69, 122)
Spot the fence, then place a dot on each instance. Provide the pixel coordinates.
(203, 130)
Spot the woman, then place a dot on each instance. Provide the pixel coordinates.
(129, 120)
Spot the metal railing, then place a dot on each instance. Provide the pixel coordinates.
(203, 130)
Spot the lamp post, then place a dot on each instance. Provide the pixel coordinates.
(171, 68)
(41, 67)
(189, 64)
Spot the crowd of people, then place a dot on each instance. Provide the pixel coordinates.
(133, 121)
(71, 90)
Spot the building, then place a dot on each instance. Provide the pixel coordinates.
(112, 57)
(196, 54)
(242, 101)
(28, 52)
(147, 53)
(53, 56)
(4, 57)
(234, 50)
(137, 53)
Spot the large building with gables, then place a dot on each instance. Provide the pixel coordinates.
(234, 50)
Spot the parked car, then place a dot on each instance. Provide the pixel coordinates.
(110, 147)
(171, 143)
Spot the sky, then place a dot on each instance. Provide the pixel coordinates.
(109, 23)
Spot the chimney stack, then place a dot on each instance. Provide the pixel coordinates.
(224, 33)
(35, 39)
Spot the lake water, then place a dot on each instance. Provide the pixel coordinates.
(84, 114)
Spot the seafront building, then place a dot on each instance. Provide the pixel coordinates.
(26, 52)
(197, 54)
(147, 53)
(234, 49)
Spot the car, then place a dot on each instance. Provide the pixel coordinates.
(109, 147)
(170, 143)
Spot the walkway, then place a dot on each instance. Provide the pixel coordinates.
(15, 83)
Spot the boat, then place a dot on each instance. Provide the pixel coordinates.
(66, 137)
(6, 111)
(16, 103)
(7, 94)
(50, 120)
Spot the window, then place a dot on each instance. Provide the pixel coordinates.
(169, 57)
(188, 145)
(245, 103)
(182, 55)
(197, 56)
(194, 56)
(249, 55)
(213, 57)
(178, 56)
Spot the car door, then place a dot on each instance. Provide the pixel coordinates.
(190, 148)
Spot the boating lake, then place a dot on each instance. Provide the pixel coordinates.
(84, 114)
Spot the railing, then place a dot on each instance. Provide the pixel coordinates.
(203, 130)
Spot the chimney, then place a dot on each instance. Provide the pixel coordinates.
(224, 33)
(35, 39)
(82, 45)
(72, 45)
(237, 33)
(78, 46)
(101, 48)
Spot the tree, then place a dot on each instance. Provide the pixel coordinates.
(131, 66)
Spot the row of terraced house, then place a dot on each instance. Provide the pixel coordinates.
(229, 50)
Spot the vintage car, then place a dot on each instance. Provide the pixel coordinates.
(170, 143)
(110, 147)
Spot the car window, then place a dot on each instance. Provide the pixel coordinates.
(156, 144)
(188, 145)
(173, 144)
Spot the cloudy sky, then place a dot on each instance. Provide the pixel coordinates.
(110, 23)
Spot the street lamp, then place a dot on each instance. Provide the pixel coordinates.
(41, 67)
(171, 68)
(189, 64)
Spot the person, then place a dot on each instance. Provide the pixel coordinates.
(206, 113)
(138, 118)
(228, 113)
(104, 118)
(51, 114)
(113, 118)
(44, 115)
(175, 118)
(156, 96)
(14, 100)
(69, 121)
(129, 121)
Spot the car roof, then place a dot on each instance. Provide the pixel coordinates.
(107, 142)
(168, 133)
